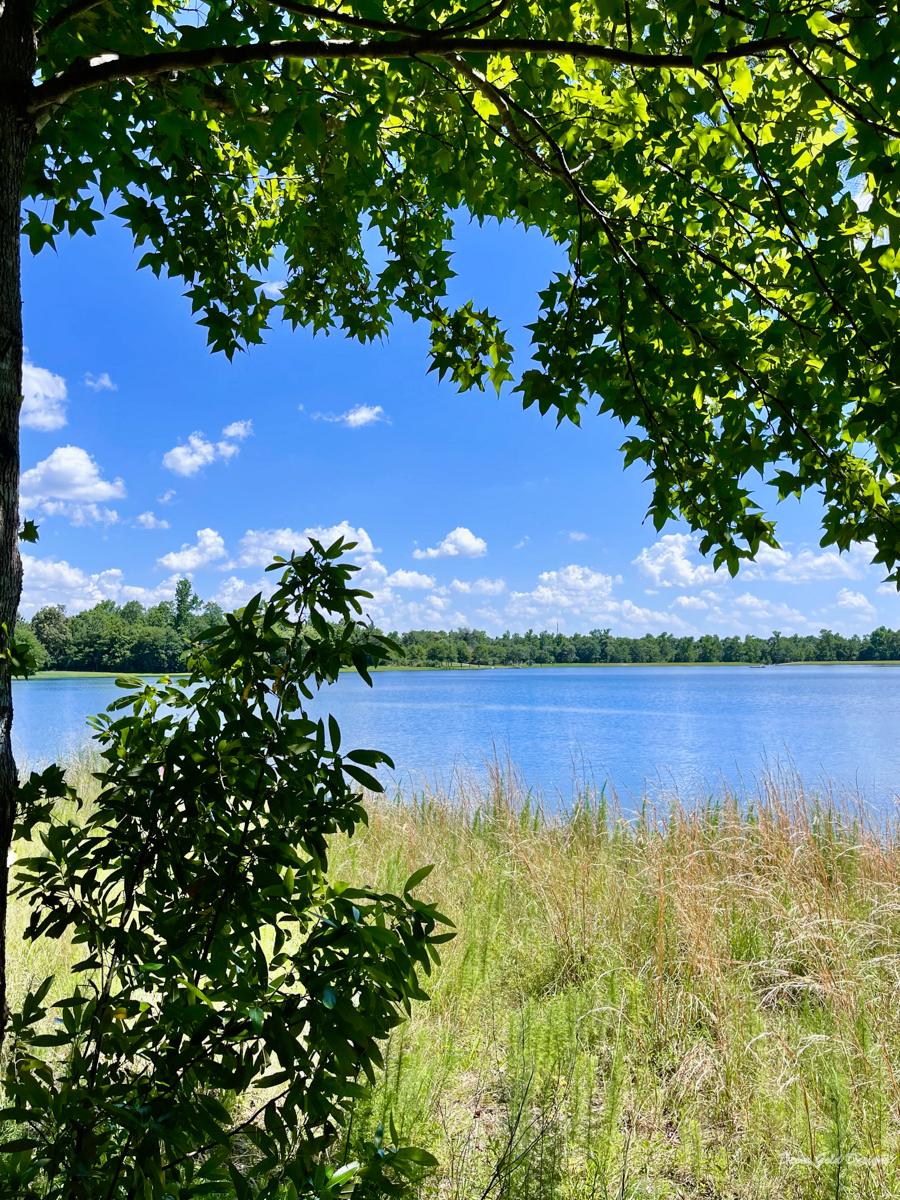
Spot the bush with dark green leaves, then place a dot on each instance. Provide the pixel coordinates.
(230, 996)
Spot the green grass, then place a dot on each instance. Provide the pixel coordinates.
(474, 667)
(100, 675)
(700, 1002)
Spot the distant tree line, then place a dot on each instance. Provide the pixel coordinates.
(472, 646)
(129, 637)
(111, 637)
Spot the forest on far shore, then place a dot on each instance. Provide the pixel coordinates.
(436, 648)
(111, 637)
(130, 637)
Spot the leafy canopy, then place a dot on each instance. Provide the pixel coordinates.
(723, 174)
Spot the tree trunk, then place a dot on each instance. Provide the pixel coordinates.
(17, 59)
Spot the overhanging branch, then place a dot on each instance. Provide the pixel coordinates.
(148, 66)
(69, 13)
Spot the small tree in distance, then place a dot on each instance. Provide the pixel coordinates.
(186, 603)
(50, 627)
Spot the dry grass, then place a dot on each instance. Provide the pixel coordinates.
(699, 1001)
(29, 963)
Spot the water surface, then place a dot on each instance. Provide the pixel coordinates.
(637, 726)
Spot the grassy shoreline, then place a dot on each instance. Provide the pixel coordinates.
(699, 1002)
(702, 1001)
(51, 675)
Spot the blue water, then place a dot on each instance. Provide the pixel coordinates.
(639, 727)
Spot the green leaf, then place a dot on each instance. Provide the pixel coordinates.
(416, 878)
(363, 777)
(17, 1145)
(413, 1154)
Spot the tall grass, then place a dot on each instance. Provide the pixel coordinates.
(702, 1000)
(29, 963)
(698, 1001)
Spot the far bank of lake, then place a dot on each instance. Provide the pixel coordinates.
(640, 726)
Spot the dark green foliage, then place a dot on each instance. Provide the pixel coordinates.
(217, 956)
(186, 604)
(437, 648)
(129, 639)
(126, 638)
(50, 627)
(27, 640)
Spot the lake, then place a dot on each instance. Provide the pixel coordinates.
(640, 727)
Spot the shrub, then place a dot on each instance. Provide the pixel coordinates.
(231, 997)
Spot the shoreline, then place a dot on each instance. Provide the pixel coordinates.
(49, 676)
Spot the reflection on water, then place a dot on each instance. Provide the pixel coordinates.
(637, 726)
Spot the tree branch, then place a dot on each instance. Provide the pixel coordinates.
(851, 110)
(480, 22)
(105, 69)
(68, 13)
(350, 19)
(505, 106)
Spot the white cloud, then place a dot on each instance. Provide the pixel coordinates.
(478, 587)
(807, 566)
(234, 593)
(409, 579)
(887, 589)
(856, 602)
(210, 546)
(769, 611)
(54, 581)
(80, 514)
(580, 599)
(574, 536)
(689, 602)
(238, 430)
(519, 545)
(459, 543)
(439, 603)
(44, 396)
(433, 612)
(274, 287)
(571, 586)
(148, 521)
(101, 383)
(150, 596)
(167, 497)
(668, 563)
(326, 535)
(357, 417)
(70, 474)
(259, 546)
(187, 460)
(199, 452)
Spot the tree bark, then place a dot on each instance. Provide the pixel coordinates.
(17, 60)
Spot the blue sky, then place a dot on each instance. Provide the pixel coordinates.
(146, 458)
